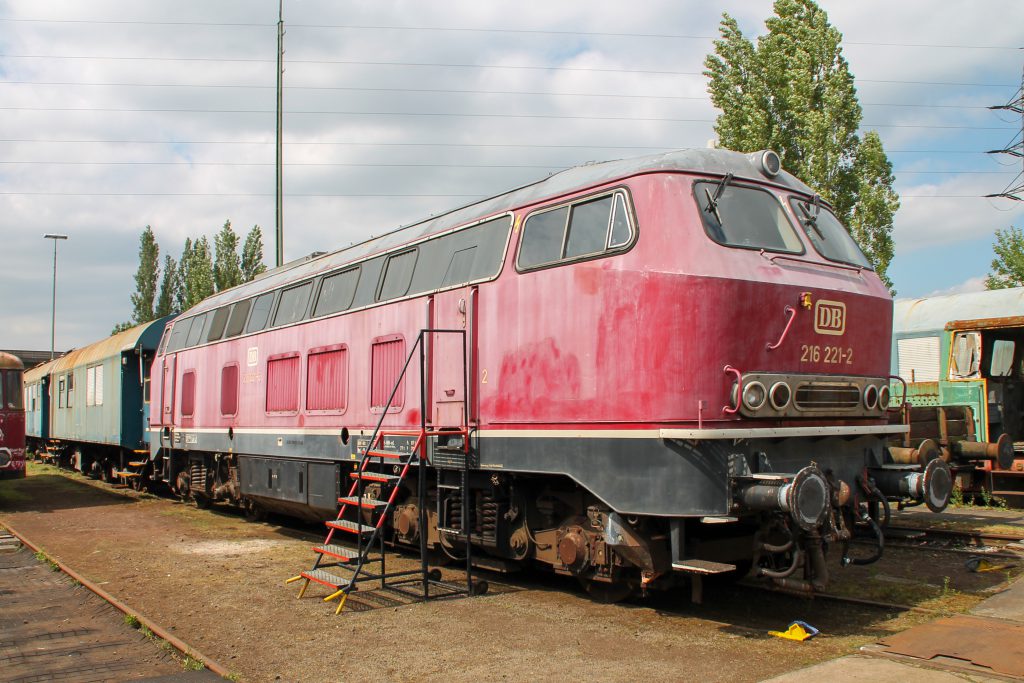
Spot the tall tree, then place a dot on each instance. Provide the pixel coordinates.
(146, 277)
(227, 269)
(121, 327)
(199, 273)
(871, 220)
(168, 288)
(184, 263)
(1008, 265)
(252, 254)
(793, 92)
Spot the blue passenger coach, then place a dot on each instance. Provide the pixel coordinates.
(99, 403)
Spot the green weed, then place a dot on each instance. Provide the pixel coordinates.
(132, 621)
(190, 663)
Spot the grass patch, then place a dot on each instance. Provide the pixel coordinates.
(132, 621)
(43, 557)
(190, 663)
(234, 676)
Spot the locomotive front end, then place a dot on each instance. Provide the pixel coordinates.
(805, 406)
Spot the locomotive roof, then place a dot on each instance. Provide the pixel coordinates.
(932, 314)
(114, 345)
(711, 162)
(8, 361)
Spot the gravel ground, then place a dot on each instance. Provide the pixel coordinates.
(217, 582)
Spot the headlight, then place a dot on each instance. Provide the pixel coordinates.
(754, 395)
(883, 397)
(780, 395)
(871, 397)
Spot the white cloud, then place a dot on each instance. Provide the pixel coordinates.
(104, 206)
(974, 284)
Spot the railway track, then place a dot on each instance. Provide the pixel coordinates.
(953, 540)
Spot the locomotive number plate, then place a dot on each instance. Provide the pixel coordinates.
(831, 355)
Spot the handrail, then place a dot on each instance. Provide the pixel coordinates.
(786, 257)
(739, 390)
(791, 312)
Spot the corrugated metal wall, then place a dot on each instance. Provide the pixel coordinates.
(283, 385)
(327, 380)
(387, 359)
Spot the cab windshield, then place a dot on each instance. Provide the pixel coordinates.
(10, 390)
(744, 216)
(827, 234)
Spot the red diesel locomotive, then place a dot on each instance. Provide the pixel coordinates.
(676, 365)
(12, 417)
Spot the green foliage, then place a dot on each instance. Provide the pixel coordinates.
(793, 92)
(877, 203)
(227, 268)
(195, 273)
(43, 557)
(121, 327)
(132, 621)
(252, 255)
(168, 288)
(190, 663)
(956, 496)
(1008, 265)
(146, 277)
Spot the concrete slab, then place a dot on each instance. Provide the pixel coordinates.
(1009, 604)
(859, 668)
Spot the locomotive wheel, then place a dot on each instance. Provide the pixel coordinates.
(254, 512)
(607, 593)
(182, 485)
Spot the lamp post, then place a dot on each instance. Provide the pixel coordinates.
(53, 307)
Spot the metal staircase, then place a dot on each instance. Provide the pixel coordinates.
(366, 559)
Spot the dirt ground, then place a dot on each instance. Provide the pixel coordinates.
(218, 582)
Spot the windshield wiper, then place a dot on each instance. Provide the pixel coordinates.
(811, 219)
(713, 199)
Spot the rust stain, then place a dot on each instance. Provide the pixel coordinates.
(986, 323)
(993, 644)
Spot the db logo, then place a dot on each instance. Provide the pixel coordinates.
(829, 317)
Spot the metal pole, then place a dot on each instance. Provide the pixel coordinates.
(53, 305)
(279, 208)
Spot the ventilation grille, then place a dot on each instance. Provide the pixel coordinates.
(830, 396)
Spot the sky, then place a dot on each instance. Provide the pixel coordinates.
(115, 115)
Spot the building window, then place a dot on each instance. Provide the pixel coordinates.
(327, 380)
(283, 384)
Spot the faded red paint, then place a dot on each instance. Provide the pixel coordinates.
(637, 339)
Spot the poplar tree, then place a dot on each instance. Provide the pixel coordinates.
(168, 288)
(227, 269)
(181, 291)
(793, 92)
(1008, 265)
(199, 274)
(146, 278)
(252, 255)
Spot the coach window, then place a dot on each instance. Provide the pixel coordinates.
(71, 389)
(738, 216)
(229, 390)
(188, 393)
(220, 321)
(236, 321)
(60, 393)
(260, 312)
(199, 323)
(397, 275)
(293, 304)
(542, 238)
(336, 292)
(178, 334)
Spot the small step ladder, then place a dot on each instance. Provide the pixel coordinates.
(370, 549)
